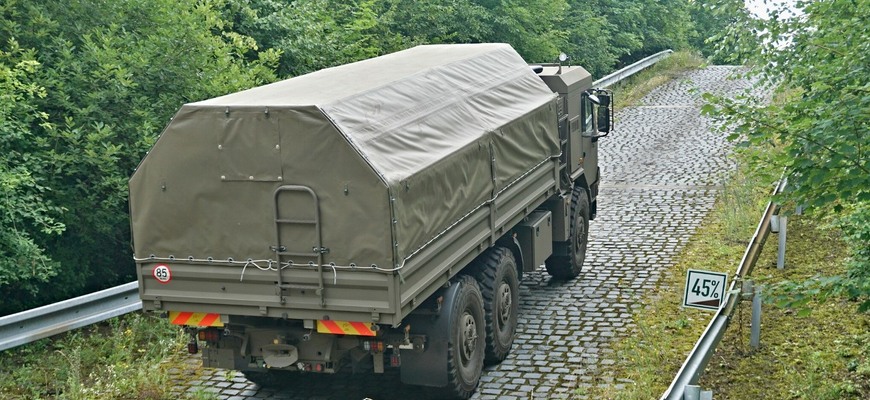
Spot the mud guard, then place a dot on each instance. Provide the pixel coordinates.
(429, 367)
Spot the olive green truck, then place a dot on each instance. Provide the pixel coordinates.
(373, 215)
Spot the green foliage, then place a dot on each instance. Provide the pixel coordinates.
(308, 35)
(534, 28)
(438, 21)
(110, 75)
(820, 126)
(316, 34)
(24, 212)
(711, 18)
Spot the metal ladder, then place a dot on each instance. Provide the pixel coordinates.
(317, 251)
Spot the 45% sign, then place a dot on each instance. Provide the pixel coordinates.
(704, 289)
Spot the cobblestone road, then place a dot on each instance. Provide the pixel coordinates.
(661, 168)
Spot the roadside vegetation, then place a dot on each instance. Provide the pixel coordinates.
(128, 357)
(824, 354)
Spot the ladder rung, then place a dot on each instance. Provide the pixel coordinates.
(298, 286)
(296, 221)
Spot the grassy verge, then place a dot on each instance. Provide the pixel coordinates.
(825, 355)
(123, 358)
(629, 91)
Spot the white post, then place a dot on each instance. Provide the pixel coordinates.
(692, 392)
(780, 257)
(755, 330)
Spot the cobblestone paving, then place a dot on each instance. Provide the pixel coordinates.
(662, 169)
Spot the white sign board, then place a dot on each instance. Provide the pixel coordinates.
(704, 289)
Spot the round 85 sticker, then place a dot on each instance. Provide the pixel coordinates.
(162, 273)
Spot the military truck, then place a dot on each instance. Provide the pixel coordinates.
(373, 215)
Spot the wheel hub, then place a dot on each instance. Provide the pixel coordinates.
(580, 233)
(469, 337)
(505, 303)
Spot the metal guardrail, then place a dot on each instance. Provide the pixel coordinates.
(45, 321)
(697, 360)
(631, 69)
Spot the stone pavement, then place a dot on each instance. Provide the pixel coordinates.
(662, 168)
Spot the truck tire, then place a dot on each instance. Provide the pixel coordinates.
(465, 349)
(496, 272)
(569, 262)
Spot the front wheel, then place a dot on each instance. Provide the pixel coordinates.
(465, 349)
(568, 262)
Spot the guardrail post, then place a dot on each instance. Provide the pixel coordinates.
(693, 392)
(780, 255)
(755, 331)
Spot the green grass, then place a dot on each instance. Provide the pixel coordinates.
(123, 358)
(822, 355)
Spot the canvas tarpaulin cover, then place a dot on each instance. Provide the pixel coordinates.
(397, 148)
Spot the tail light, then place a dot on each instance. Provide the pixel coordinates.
(209, 335)
(374, 346)
(192, 347)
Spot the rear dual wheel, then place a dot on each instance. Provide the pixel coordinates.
(496, 272)
(483, 319)
(466, 347)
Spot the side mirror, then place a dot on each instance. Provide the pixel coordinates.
(604, 115)
(604, 112)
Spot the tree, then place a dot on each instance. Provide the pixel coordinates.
(113, 74)
(439, 21)
(535, 29)
(311, 34)
(24, 212)
(818, 61)
(710, 18)
(589, 38)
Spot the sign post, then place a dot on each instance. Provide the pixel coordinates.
(704, 289)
